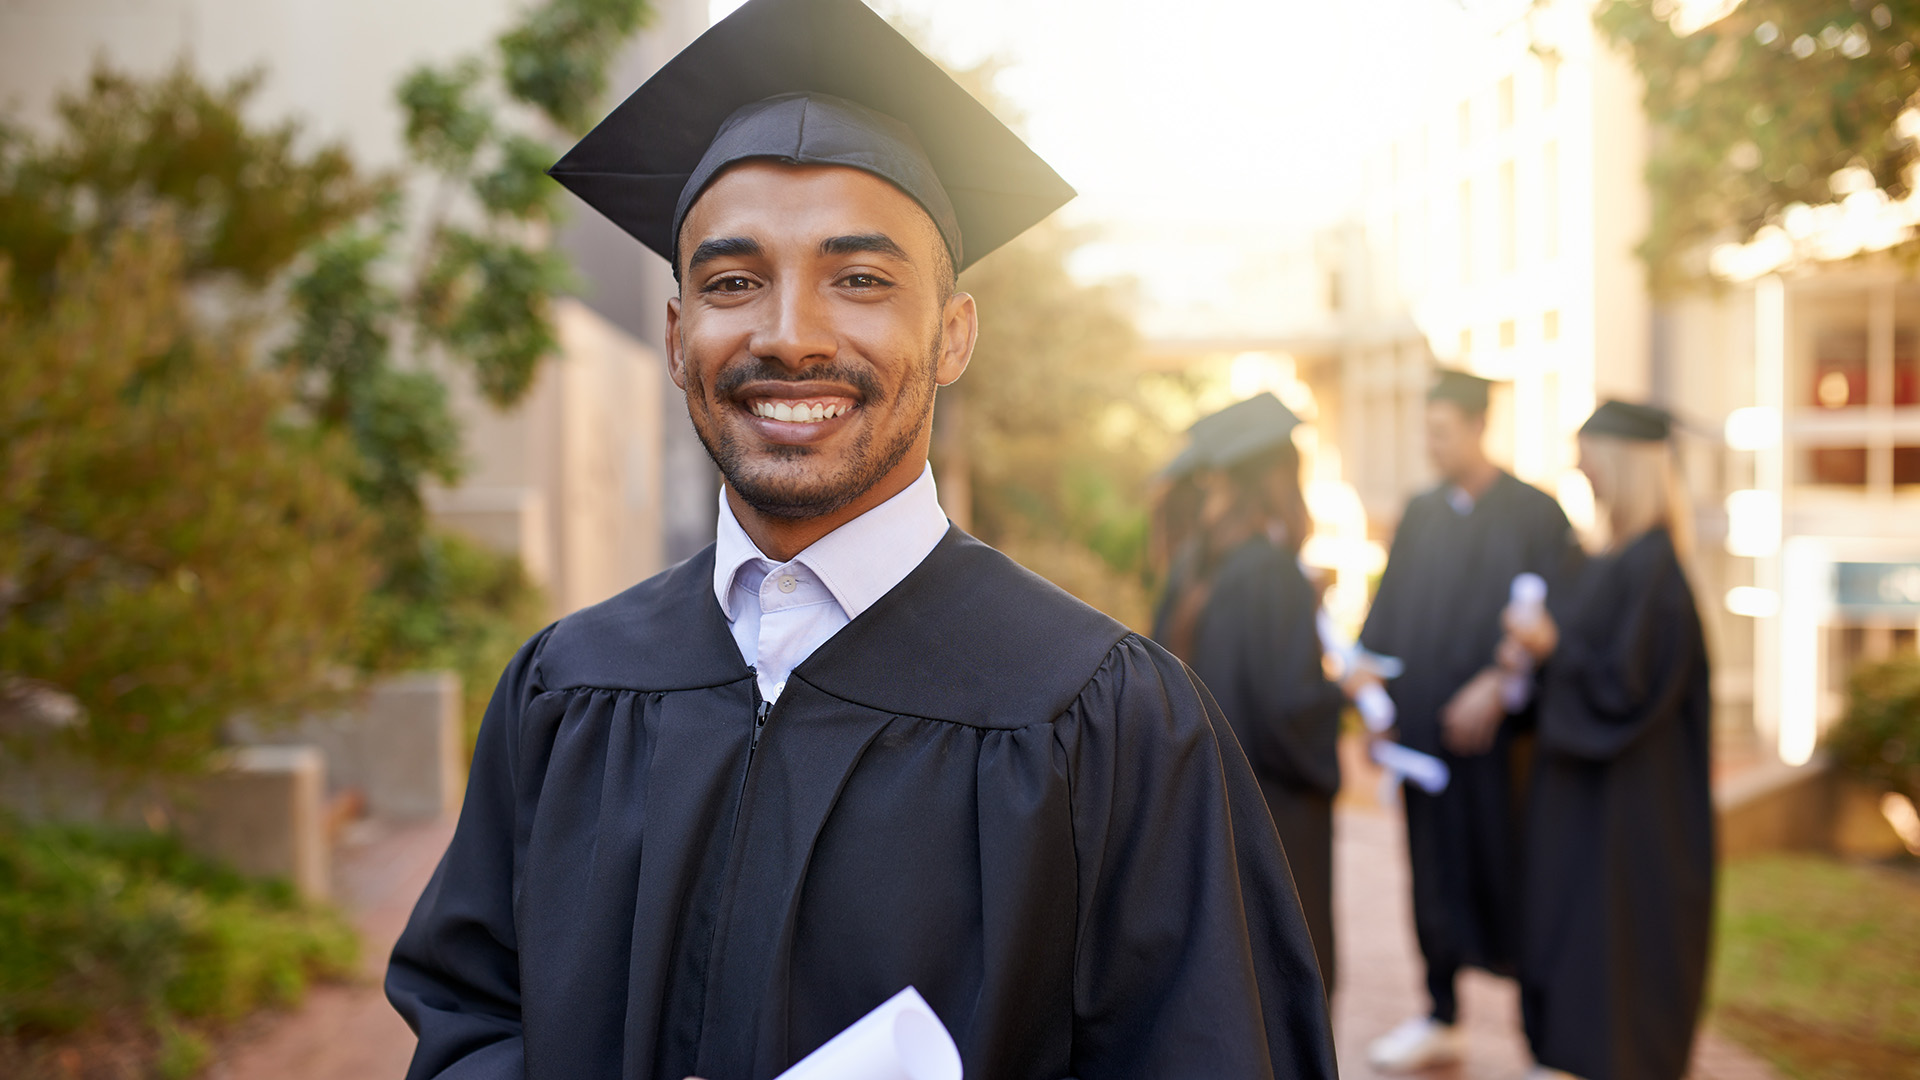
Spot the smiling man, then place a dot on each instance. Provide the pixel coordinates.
(846, 749)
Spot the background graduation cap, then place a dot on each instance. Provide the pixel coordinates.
(635, 166)
(1241, 430)
(1466, 390)
(1627, 420)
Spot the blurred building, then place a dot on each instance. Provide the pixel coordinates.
(594, 479)
(1496, 233)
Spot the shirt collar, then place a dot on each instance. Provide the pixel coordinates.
(859, 562)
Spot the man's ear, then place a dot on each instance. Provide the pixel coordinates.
(960, 330)
(676, 361)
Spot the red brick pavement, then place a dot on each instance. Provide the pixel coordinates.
(1381, 975)
(348, 1032)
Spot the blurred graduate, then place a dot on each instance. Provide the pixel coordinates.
(1448, 578)
(847, 748)
(1242, 614)
(1620, 849)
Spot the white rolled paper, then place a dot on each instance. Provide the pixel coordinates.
(1424, 771)
(1376, 708)
(1527, 601)
(902, 1039)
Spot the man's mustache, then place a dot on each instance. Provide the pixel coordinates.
(738, 376)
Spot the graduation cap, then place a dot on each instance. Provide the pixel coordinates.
(815, 82)
(1626, 420)
(1461, 388)
(1241, 430)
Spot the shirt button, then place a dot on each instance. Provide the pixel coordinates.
(788, 584)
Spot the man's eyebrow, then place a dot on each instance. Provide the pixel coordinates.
(863, 243)
(735, 247)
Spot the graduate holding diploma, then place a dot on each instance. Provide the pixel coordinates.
(1620, 855)
(716, 820)
(1449, 575)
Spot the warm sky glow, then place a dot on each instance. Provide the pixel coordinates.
(1217, 110)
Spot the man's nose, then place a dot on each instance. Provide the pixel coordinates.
(798, 330)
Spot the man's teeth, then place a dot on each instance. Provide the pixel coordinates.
(798, 412)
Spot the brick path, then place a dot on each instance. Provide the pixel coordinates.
(1381, 975)
(348, 1032)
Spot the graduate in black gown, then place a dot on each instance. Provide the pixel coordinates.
(1620, 848)
(847, 749)
(1448, 577)
(1244, 618)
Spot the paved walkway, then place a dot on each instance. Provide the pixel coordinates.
(348, 1032)
(1381, 975)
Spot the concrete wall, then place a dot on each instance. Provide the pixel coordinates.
(262, 810)
(402, 749)
(571, 478)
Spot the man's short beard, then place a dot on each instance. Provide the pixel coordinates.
(865, 467)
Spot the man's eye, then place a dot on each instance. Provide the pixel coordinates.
(731, 283)
(865, 281)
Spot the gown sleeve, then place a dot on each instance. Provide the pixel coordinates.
(1287, 684)
(1192, 958)
(455, 973)
(1625, 658)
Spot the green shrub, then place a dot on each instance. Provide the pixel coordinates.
(1878, 740)
(97, 922)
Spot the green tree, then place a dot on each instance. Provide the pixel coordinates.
(1757, 111)
(378, 301)
(172, 549)
(1046, 437)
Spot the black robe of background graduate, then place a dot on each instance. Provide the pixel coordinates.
(1256, 647)
(1619, 897)
(1447, 579)
(980, 787)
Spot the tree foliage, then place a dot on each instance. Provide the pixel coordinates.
(1878, 740)
(172, 549)
(1757, 111)
(375, 300)
(1048, 426)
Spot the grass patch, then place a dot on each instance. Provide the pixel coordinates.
(98, 926)
(1818, 966)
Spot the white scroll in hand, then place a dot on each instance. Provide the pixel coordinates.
(902, 1039)
(1424, 771)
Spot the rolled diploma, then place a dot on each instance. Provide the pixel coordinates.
(1424, 771)
(1350, 654)
(1375, 707)
(902, 1039)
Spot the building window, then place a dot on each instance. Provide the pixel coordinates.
(1466, 124)
(1509, 334)
(1466, 231)
(1549, 81)
(1550, 199)
(1509, 225)
(1550, 326)
(1853, 386)
(1506, 103)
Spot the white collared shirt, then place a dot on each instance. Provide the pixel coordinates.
(781, 612)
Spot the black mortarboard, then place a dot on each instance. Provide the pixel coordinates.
(821, 82)
(1626, 420)
(1463, 389)
(1242, 430)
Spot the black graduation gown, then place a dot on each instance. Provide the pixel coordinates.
(980, 787)
(1257, 649)
(1620, 851)
(1447, 579)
